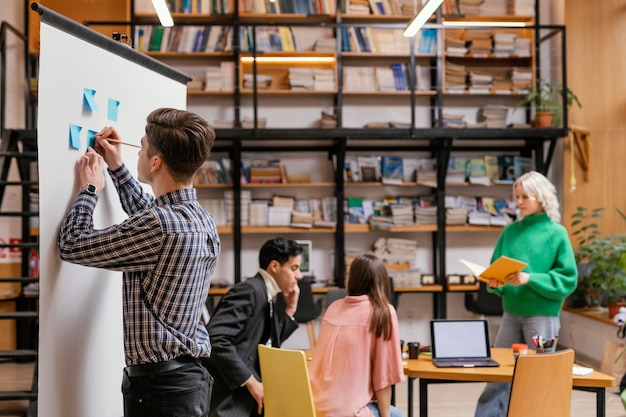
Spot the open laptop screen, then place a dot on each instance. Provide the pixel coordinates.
(460, 339)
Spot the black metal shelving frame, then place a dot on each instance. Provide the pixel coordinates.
(540, 143)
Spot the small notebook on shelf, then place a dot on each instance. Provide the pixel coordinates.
(499, 269)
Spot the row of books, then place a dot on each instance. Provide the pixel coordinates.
(306, 7)
(207, 7)
(314, 79)
(394, 77)
(487, 80)
(268, 38)
(397, 211)
(387, 169)
(386, 41)
(489, 7)
(393, 170)
(183, 38)
(380, 215)
(377, 7)
(490, 169)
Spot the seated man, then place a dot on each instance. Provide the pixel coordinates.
(245, 318)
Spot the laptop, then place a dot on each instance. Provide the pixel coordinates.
(461, 343)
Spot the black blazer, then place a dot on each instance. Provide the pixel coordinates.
(240, 323)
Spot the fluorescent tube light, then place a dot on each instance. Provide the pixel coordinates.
(484, 24)
(163, 12)
(421, 18)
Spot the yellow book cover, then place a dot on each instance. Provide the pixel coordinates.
(499, 269)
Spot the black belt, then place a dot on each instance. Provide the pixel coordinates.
(146, 369)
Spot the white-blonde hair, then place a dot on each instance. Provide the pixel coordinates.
(538, 186)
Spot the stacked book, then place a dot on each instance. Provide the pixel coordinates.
(220, 78)
(456, 77)
(402, 214)
(426, 215)
(470, 7)
(521, 7)
(323, 79)
(217, 209)
(494, 115)
(301, 78)
(504, 43)
(456, 45)
(456, 215)
(229, 200)
(453, 121)
(395, 250)
(522, 80)
(262, 81)
(258, 212)
(328, 121)
(480, 82)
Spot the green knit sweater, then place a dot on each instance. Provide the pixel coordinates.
(546, 247)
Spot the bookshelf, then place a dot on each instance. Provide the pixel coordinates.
(276, 118)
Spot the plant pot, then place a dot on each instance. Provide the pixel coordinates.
(543, 119)
(593, 297)
(614, 308)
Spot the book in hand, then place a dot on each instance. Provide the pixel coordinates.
(499, 269)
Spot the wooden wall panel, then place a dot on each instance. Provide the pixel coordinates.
(81, 11)
(8, 292)
(596, 69)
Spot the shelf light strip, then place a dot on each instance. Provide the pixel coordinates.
(165, 17)
(421, 18)
(285, 59)
(485, 24)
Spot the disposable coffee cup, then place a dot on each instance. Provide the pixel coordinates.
(414, 350)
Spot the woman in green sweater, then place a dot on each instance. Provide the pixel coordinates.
(532, 298)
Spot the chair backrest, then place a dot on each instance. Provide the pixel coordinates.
(308, 309)
(542, 385)
(335, 294)
(483, 303)
(286, 384)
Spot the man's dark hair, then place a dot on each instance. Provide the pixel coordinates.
(183, 139)
(279, 249)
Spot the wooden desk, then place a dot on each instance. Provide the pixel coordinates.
(428, 373)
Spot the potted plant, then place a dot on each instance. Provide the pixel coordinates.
(547, 99)
(605, 255)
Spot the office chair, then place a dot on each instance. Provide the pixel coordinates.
(308, 309)
(286, 383)
(542, 385)
(335, 294)
(483, 303)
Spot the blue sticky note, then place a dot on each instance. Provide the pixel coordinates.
(75, 136)
(90, 99)
(113, 106)
(91, 138)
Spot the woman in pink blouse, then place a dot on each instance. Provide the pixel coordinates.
(357, 356)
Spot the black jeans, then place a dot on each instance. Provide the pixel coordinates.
(182, 392)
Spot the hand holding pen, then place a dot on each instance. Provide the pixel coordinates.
(108, 145)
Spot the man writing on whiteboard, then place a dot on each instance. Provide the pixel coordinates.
(167, 249)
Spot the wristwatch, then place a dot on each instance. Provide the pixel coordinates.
(89, 189)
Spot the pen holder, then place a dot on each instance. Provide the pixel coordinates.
(414, 350)
(550, 349)
(544, 345)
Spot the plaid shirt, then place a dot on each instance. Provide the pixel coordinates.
(167, 249)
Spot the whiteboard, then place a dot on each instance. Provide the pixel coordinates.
(81, 354)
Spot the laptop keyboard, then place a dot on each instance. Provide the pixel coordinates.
(465, 362)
